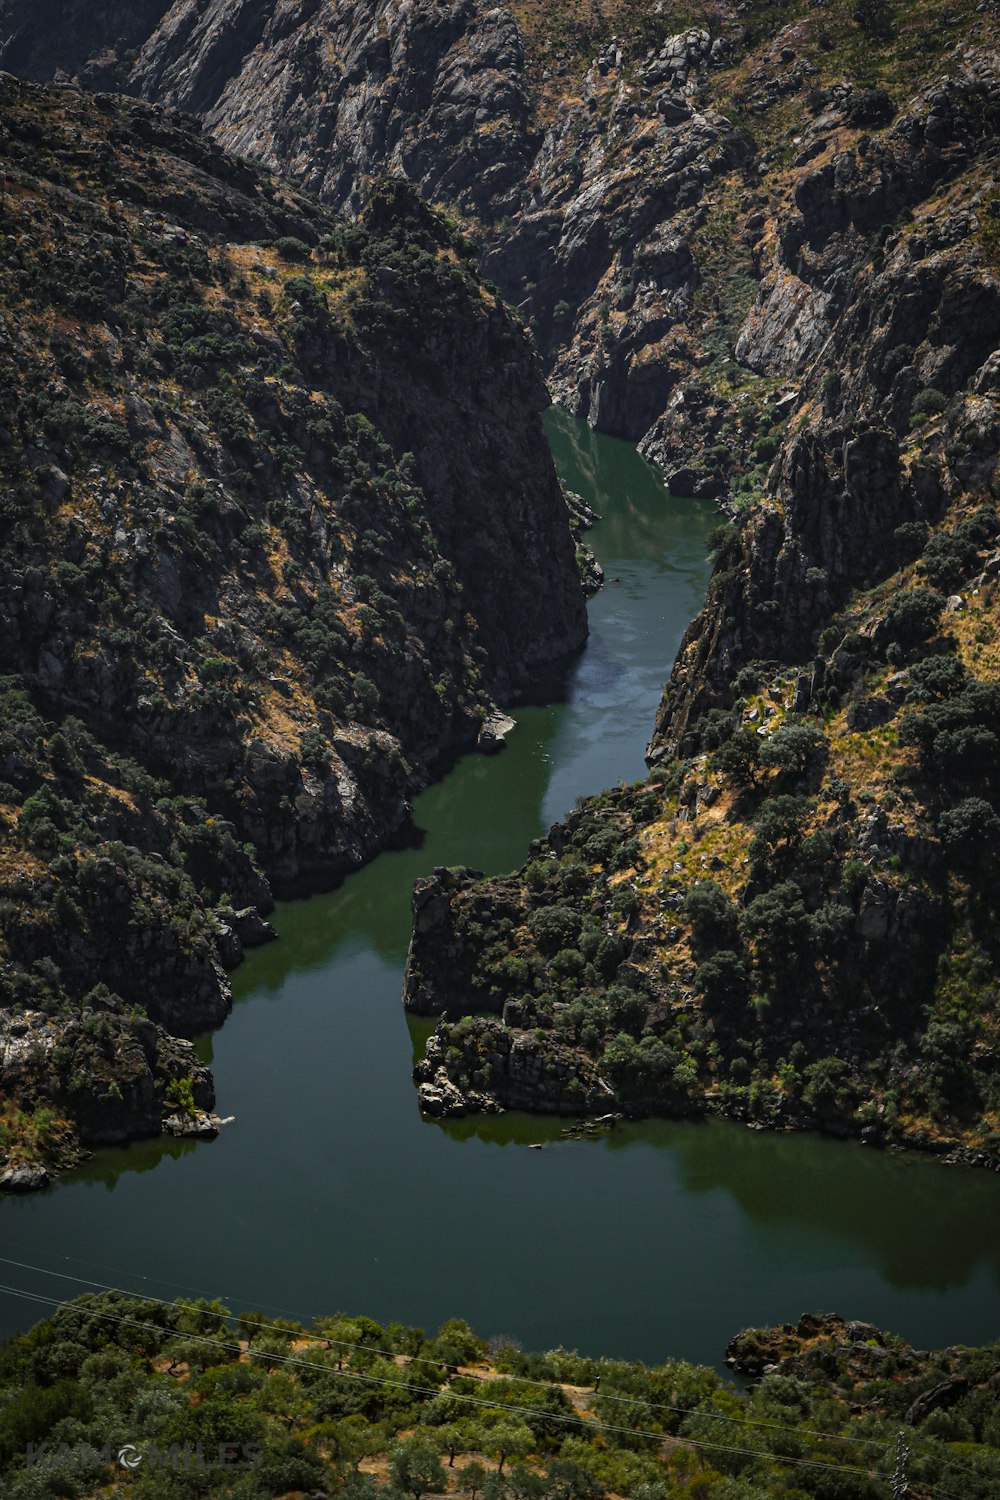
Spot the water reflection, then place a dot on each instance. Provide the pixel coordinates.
(893, 1212)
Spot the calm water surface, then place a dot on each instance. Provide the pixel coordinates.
(330, 1192)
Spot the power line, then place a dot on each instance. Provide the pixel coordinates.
(103, 1265)
(654, 1406)
(683, 1411)
(880, 1445)
(408, 1386)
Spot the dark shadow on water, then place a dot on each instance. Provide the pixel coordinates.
(108, 1165)
(925, 1226)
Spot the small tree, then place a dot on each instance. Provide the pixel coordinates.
(524, 1484)
(777, 925)
(473, 1478)
(912, 616)
(970, 831)
(508, 1440)
(739, 758)
(778, 828)
(722, 980)
(180, 1093)
(416, 1467)
(711, 914)
(455, 1438)
(791, 748)
(569, 1480)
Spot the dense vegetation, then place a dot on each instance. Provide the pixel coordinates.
(253, 1407)
(795, 924)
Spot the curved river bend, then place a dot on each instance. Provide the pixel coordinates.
(331, 1192)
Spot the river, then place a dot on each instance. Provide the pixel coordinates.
(330, 1192)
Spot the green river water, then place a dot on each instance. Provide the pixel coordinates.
(330, 1192)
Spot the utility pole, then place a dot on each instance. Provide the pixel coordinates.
(900, 1484)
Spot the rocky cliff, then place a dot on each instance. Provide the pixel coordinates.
(279, 527)
(631, 172)
(793, 922)
(762, 241)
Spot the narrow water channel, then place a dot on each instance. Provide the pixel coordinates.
(332, 1193)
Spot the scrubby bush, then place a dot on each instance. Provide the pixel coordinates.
(970, 831)
(290, 247)
(722, 980)
(912, 617)
(712, 916)
(739, 758)
(554, 928)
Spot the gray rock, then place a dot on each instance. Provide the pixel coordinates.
(24, 1179)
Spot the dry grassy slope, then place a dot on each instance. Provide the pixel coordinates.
(279, 522)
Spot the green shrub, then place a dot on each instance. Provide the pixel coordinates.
(912, 617)
(290, 247)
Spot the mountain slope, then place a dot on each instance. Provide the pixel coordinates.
(626, 170)
(280, 524)
(762, 242)
(794, 921)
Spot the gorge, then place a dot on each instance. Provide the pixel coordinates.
(329, 1167)
(698, 974)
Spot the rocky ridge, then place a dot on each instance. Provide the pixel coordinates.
(280, 528)
(629, 172)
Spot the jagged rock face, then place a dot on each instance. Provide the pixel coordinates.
(594, 213)
(336, 93)
(92, 39)
(779, 916)
(573, 220)
(922, 313)
(602, 243)
(642, 231)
